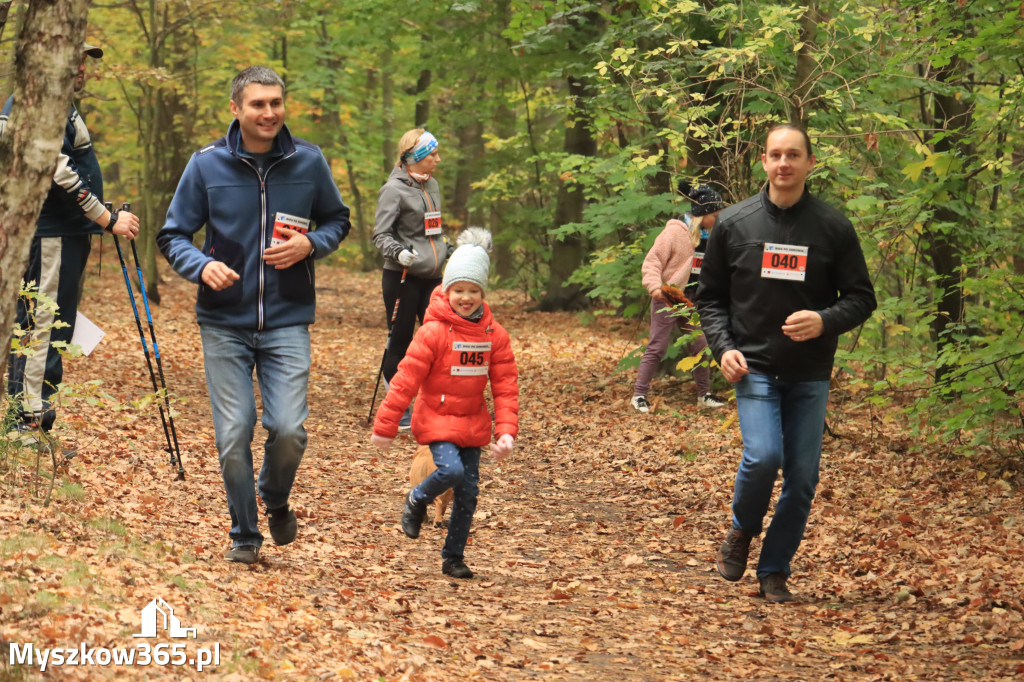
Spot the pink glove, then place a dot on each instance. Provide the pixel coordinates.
(381, 442)
(502, 448)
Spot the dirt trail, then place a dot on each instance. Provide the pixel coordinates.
(593, 545)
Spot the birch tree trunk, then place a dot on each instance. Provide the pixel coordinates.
(47, 55)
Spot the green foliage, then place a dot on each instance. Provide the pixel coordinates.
(675, 89)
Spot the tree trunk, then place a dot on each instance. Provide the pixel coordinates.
(423, 84)
(47, 55)
(568, 254)
(330, 121)
(954, 114)
(5, 8)
(471, 143)
(805, 65)
(387, 119)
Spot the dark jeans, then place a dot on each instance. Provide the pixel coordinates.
(414, 295)
(458, 469)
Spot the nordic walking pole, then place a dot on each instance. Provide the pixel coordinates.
(176, 452)
(138, 325)
(387, 344)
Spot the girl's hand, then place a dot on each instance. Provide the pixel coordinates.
(381, 442)
(502, 448)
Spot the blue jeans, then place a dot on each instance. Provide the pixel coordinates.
(281, 358)
(458, 469)
(782, 423)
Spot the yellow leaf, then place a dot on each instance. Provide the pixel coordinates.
(686, 364)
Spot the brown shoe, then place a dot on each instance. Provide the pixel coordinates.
(773, 588)
(732, 555)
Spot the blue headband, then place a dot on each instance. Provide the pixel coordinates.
(426, 144)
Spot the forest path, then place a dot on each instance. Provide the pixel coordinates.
(593, 545)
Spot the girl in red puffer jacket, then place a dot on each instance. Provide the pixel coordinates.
(455, 352)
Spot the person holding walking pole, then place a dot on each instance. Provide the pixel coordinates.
(166, 419)
(270, 207)
(409, 234)
(72, 212)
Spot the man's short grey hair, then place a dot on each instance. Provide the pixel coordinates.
(261, 75)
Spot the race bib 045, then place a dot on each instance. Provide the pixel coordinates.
(470, 358)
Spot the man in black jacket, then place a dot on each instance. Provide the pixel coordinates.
(782, 278)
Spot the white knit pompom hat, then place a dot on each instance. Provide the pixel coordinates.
(470, 262)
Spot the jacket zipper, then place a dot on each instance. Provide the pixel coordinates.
(430, 206)
(263, 228)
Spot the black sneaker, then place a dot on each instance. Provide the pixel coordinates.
(455, 567)
(773, 588)
(732, 555)
(412, 517)
(283, 526)
(243, 554)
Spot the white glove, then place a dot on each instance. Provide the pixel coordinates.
(406, 257)
(502, 448)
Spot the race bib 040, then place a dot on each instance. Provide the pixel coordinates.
(784, 261)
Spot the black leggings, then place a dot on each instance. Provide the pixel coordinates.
(415, 295)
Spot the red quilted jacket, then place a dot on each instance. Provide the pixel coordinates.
(449, 362)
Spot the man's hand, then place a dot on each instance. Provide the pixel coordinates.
(291, 252)
(127, 225)
(381, 442)
(734, 366)
(502, 448)
(217, 275)
(803, 325)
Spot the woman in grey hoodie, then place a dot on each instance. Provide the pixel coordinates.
(408, 232)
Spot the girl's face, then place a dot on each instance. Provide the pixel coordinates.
(465, 298)
(708, 221)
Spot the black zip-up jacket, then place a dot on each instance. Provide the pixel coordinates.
(741, 310)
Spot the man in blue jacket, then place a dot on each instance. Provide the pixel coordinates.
(782, 278)
(259, 192)
(72, 212)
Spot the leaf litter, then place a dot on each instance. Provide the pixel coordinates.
(593, 545)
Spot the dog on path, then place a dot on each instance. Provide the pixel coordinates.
(423, 466)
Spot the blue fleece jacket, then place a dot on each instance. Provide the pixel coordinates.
(222, 189)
